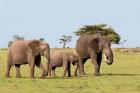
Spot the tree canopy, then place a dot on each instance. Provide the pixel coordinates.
(101, 29)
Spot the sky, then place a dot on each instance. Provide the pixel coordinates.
(50, 19)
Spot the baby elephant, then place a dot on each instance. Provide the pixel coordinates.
(62, 58)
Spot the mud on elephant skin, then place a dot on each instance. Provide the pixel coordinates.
(61, 58)
(92, 47)
(27, 52)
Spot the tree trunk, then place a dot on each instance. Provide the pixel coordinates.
(64, 45)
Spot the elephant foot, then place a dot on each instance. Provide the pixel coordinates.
(46, 74)
(49, 76)
(81, 75)
(75, 75)
(19, 76)
(62, 76)
(69, 75)
(42, 77)
(7, 76)
(84, 73)
(32, 77)
(97, 74)
(53, 76)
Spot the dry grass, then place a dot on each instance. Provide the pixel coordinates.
(123, 76)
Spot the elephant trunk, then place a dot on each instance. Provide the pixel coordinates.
(108, 55)
(47, 57)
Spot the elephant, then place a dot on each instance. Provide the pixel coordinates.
(61, 58)
(92, 47)
(27, 52)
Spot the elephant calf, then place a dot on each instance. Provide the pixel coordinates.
(63, 58)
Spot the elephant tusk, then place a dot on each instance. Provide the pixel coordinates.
(46, 59)
(105, 58)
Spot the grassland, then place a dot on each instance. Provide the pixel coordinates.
(123, 76)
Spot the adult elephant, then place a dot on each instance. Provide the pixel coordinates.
(27, 51)
(92, 47)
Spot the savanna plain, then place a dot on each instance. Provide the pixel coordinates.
(123, 76)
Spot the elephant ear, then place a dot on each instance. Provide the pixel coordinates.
(94, 45)
(75, 59)
(34, 45)
(44, 46)
(70, 57)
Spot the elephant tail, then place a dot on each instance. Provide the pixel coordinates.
(9, 57)
(9, 63)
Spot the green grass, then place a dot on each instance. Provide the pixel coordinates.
(123, 76)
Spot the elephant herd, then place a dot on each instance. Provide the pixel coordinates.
(30, 52)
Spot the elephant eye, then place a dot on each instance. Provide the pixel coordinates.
(109, 44)
(43, 49)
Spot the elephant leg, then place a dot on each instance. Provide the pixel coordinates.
(53, 72)
(65, 65)
(32, 67)
(9, 64)
(49, 70)
(96, 65)
(17, 66)
(99, 59)
(8, 70)
(39, 65)
(69, 69)
(46, 67)
(76, 68)
(84, 60)
(64, 72)
(81, 66)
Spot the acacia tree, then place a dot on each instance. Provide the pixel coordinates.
(122, 42)
(65, 39)
(101, 29)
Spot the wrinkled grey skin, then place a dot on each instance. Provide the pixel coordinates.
(92, 47)
(27, 52)
(61, 58)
